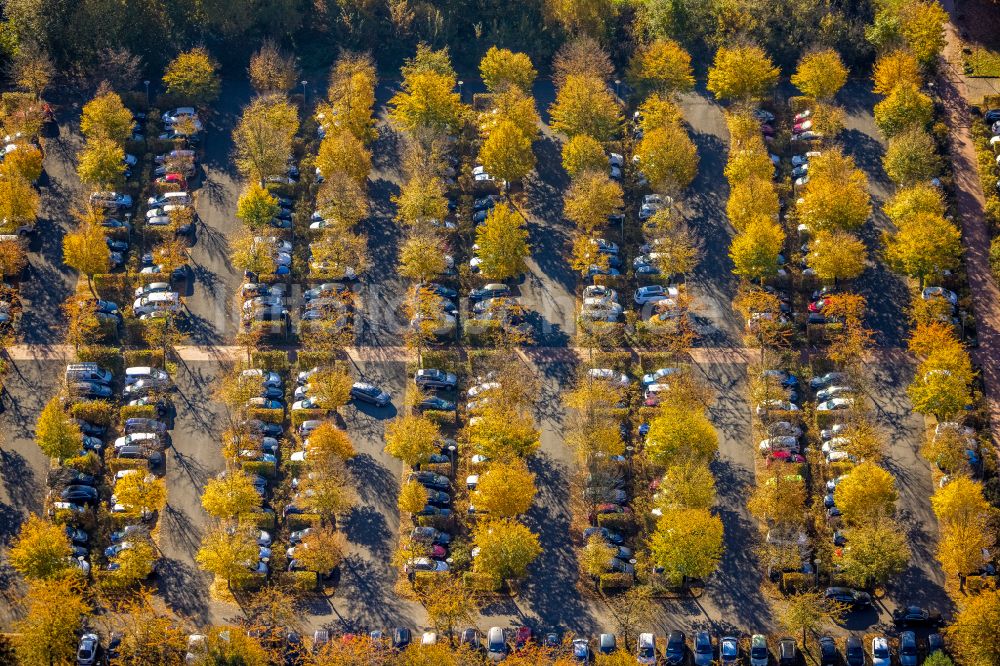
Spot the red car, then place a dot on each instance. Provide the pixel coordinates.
(818, 305)
(522, 637)
(785, 456)
(173, 179)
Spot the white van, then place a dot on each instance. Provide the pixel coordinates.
(159, 300)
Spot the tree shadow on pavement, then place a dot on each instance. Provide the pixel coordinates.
(366, 526)
(184, 589)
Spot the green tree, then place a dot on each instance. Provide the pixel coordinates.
(921, 25)
(193, 77)
(687, 543)
(48, 632)
(506, 548)
(230, 495)
(837, 255)
(755, 251)
(583, 153)
(878, 551)
(911, 158)
(101, 164)
(820, 74)
(503, 243)
(505, 490)
(256, 206)
(584, 105)
(502, 68)
(668, 158)
(56, 434)
(40, 550)
(924, 244)
(662, 65)
(678, 434)
(106, 117)
(741, 73)
(412, 439)
(905, 107)
(506, 153)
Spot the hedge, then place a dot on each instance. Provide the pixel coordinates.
(312, 359)
(262, 520)
(267, 469)
(137, 412)
(88, 464)
(99, 412)
(267, 415)
(294, 468)
(144, 357)
(794, 581)
(109, 358)
(115, 465)
(617, 361)
(448, 361)
(300, 415)
(480, 582)
(112, 286)
(303, 581)
(616, 581)
(440, 417)
(298, 521)
(276, 361)
(616, 522)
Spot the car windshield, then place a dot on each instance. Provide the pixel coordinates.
(758, 652)
(729, 649)
(881, 651)
(645, 651)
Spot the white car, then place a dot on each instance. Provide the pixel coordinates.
(832, 392)
(776, 406)
(832, 431)
(784, 428)
(836, 444)
(940, 292)
(485, 387)
(600, 291)
(840, 456)
(653, 293)
(835, 404)
(781, 442)
(151, 288)
(655, 376)
(609, 375)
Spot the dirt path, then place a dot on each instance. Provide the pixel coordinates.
(969, 202)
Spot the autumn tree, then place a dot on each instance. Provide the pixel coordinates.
(502, 68)
(866, 494)
(193, 77)
(741, 73)
(227, 552)
(921, 26)
(923, 245)
(506, 548)
(327, 443)
(47, 634)
(101, 164)
(56, 434)
(662, 65)
(321, 551)
(412, 497)
(330, 388)
(427, 105)
(262, 139)
(780, 499)
(960, 549)
(973, 634)
(905, 107)
(352, 94)
(422, 256)
(581, 56)
(688, 485)
(837, 255)
(249, 255)
(106, 117)
(503, 243)
(755, 251)
(502, 433)
(583, 153)
(879, 550)
(960, 502)
(911, 157)
(687, 543)
(19, 202)
(584, 105)
(448, 604)
(808, 612)
(25, 162)
(596, 556)
(342, 151)
(13, 259)
(230, 495)
(40, 550)
(256, 206)
(836, 196)
(421, 199)
(342, 202)
(591, 198)
(895, 68)
(412, 439)
(668, 158)
(919, 198)
(272, 71)
(140, 493)
(31, 68)
(505, 490)
(148, 636)
(506, 153)
(678, 433)
(820, 74)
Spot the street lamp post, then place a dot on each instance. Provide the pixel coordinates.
(816, 570)
(146, 83)
(304, 82)
(460, 84)
(454, 460)
(618, 83)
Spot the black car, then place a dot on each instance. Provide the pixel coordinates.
(915, 616)
(431, 378)
(112, 652)
(828, 651)
(431, 510)
(935, 643)
(909, 654)
(435, 403)
(846, 595)
(262, 428)
(79, 494)
(487, 202)
(992, 116)
(430, 479)
(788, 652)
(442, 291)
(401, 637)
(676, 648)
(470, 636)
(490, 291)
(854, 652)
(92, 429)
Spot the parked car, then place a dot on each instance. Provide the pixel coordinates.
(645, 649)
(496, 644)
(729, 650)
(909, 653)
(881, 656)
(788, 652)
(676, 652)
(86, 651)
(915, 616)
(854, 598)
(435, 379)
(370, 393)
(760, 655)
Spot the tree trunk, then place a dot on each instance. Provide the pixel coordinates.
(90, 285)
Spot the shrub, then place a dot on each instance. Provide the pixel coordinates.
(266, 415)
(439, 417)
(307, 359)
(443, 360)
(276, 361)
(299, 521)
(300, 415)
(302, 581)
(616, 581)
(88, 464)
(617, 361)
(100, 412)
(260, 467)
(794, 581)
(116, 465)
(109, 358)
(480, 582)
(112, 286)
(137, 412)
(622, 523)
(263, 520)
